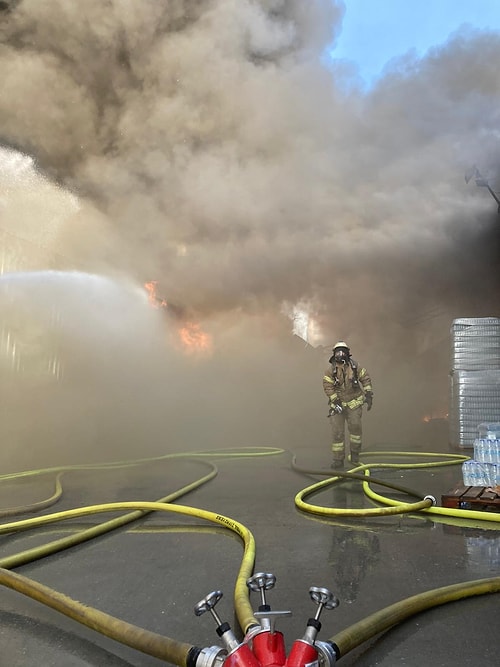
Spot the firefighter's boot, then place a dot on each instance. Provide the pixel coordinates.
(337, 463)
(355, 458)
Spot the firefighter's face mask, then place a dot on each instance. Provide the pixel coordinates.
(341, 355)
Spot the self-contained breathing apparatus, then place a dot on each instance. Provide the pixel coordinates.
(354, 380)
(341, 355)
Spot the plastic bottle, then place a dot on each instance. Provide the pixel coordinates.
(496, 450)
(478, 474)
(489, 430)
(465, 473)
(496, 474)
(487, 450)
(477, 449)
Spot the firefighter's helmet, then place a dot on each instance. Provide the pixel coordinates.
(341, 345)
(341, 353)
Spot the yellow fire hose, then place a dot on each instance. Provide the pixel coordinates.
(28, 556)
(372, 625)
(60, 470)
(148, 642)
(164, 648)
(138, 638)
(183, 654)
(393, 506)
(36, 507)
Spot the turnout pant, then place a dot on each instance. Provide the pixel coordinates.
(338, 422)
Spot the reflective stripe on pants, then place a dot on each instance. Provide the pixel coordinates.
(338, 422)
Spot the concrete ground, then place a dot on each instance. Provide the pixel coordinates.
(153, 572)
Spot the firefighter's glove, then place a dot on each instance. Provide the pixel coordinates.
(369, 400)
(335, 407)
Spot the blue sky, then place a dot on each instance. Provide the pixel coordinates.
(375, 31)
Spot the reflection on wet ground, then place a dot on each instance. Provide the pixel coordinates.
(154, 572)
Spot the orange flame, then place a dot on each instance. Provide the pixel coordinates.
(154, 300)
(434, 415)
(194, 339)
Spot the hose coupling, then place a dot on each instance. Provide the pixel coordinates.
(252, 631)
(234, 654)
(211, 656)
(432, 499)
(327, 656)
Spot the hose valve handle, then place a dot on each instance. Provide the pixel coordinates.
(207, 604)
(324, 599)
(260, 583)
(236, 654)
(223, 628)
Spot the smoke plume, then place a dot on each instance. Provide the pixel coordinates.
(214, 147)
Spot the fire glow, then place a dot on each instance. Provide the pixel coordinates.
(193, 339)
(153, 299)
(433, 416)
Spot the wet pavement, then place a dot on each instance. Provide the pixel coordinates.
(153, 572)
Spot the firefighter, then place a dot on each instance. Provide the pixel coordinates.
(348, 386)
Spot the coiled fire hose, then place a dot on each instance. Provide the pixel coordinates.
(153, 644)
(165, 648)
(184, 654)
(363, 472)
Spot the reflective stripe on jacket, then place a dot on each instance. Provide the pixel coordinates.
(347, 382)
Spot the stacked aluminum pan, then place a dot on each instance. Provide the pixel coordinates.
(474, 377)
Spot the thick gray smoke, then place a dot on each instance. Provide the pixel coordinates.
(215, 149)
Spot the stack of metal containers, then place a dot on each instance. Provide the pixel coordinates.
(474, 377)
